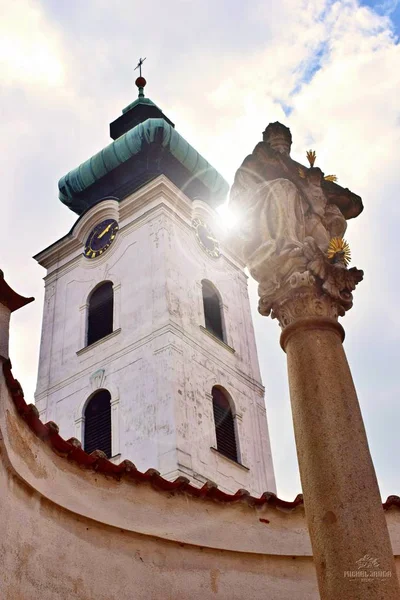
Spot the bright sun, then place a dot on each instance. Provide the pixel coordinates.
(228, 219)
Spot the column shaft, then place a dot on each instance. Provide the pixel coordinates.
(341, 495)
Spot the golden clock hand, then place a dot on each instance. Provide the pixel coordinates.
(104, 231)
(213, 239)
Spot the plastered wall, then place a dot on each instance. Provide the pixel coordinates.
(70, 532)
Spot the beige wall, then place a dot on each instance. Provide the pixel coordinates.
(69, 533)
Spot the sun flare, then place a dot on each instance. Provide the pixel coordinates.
(228, 219)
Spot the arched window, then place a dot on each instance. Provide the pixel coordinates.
(224, 424)
(100, 314)
(98, 423)
(212, 310)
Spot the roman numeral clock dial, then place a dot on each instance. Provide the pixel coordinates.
(206, 238)
(100, 238)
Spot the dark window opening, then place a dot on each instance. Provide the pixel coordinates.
(98, 423)
(101, 309)
(224, 425)
(212, 311)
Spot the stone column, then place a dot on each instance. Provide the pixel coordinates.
(350, 541)
(290, 235)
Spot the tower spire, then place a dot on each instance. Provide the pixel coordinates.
(140, 81)
(138, 111)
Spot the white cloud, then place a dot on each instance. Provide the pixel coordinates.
(29, 48)
(388, 6)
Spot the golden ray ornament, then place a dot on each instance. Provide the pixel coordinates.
(311, 156)
(301, 173)
(330, 178)
(339, 251)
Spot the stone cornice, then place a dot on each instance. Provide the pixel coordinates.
(217, 340)
(170, 328)
(99, 342)
(63, 248)
(160, 191)
(160, 188)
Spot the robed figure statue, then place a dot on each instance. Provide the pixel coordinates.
(286, 212)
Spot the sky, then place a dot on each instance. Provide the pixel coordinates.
(221, 71)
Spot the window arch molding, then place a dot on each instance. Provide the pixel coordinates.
(96, 287)
(84, 308)
(97, 427)
(213, 310)
(100, 312)
(225, 423)
(88, 393)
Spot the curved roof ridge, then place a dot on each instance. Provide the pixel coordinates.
(9, 297)
(97, 460)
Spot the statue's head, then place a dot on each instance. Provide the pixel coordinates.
(278, 137)
(315, 175)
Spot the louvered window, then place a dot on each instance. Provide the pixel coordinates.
(98, 423)
(101, 309)
(224, 425)
(212, 310)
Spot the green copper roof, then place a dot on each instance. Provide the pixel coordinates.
(140, 100)
(131, 143)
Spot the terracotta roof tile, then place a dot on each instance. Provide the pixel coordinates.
(10, 298)
(97, 460)
(392, 501)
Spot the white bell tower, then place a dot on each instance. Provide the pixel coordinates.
(148, 350)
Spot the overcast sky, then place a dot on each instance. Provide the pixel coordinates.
(221, 71)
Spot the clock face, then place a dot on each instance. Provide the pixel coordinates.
(206, 238)
(100, 238)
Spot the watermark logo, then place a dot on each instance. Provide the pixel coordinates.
(368, 568)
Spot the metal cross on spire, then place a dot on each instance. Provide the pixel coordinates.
(139, 65)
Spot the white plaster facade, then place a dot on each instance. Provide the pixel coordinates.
(160, 363)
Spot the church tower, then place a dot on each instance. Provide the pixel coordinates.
(148, 350)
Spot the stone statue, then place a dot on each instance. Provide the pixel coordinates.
(288, 216)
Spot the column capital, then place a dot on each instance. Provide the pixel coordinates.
(314, 286)
(304, 323)
(301, 303)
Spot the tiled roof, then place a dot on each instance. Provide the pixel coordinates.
(72, 450)
(9, 298)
